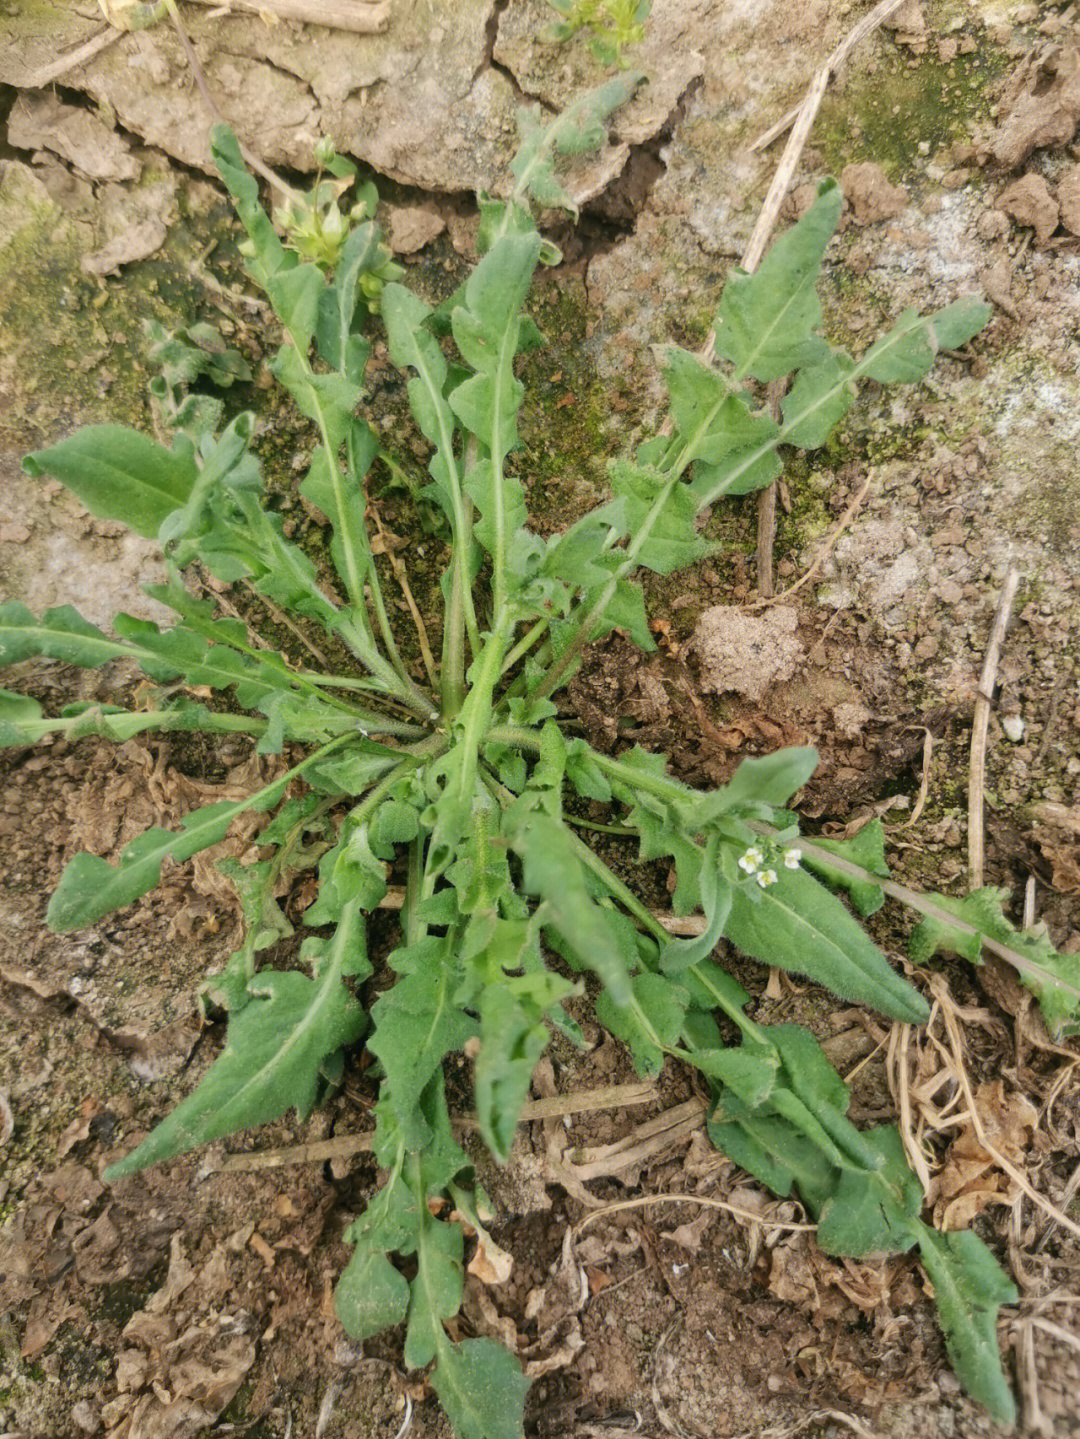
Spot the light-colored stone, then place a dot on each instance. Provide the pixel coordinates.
(743, 652)
(40, 121)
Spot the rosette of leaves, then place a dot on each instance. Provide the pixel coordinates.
(463, 796)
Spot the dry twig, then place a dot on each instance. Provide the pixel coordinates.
(854, 506)
(1057, 1330)
(900, 1041)
(924, 781)
(705, 1200)
(403, 584)
(361, 17)
(1006, 1166)
(73, 59)
(1029, 903)
(610, 1096)
(766, 508)
(643, 1143)
(278, 615)
(866, 26)
(979, 726)
(1028, 1375)
(804, 118)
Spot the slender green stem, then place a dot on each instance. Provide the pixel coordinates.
(453, 651)
(582, 634)
(655, 784)
(617, 829)
(474, 722)
(524, 644)
(733, 1012)
(352, 625)
(414, 886)
(354, 565)
(461, 611)
(123, 725)
(374, 584)
(615, 887)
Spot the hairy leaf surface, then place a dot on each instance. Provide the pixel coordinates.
(120, 474)
(482, 1389)
(799, 926)
(273, 1052)
(969, 1289)
(1052, 977)
(766, 320)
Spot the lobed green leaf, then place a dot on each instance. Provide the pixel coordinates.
(1052, 977)
(866, 849)
(274, 1052)
(969, 1289)
(766, 321)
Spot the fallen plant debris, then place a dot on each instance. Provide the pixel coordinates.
(459, 791)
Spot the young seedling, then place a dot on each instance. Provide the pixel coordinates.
(461, 792)
(609, 25)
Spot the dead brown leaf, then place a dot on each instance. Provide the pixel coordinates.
(823, 1286)
(970, 1179)
(40, 1328)
(490, 1264)
(79, 1128)
(689, 1236)
(598, 1280)
(1057, 836)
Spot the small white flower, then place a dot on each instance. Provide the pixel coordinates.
(752, 860)
(792, 858)
(766, 877)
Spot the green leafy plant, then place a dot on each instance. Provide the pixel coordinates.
(461, 794)
(610, 25)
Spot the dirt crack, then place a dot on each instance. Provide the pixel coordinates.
(489, 62)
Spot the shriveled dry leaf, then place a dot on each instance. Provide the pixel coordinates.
(490, 1264)
(689, 1236)
(482, 1312)
(79, 1128)
(823, 1286)
(555, 1349)
(970, 1179)
(39, 1331)
(177, 1280)
(597, 1278)
(1057, 834)
(100, 1258)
